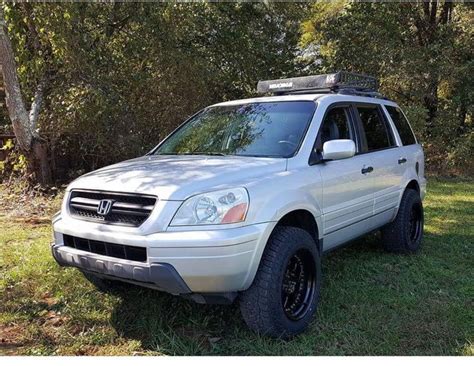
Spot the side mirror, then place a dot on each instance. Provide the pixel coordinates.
(338, 149)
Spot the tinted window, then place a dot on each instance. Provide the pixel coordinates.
(253, 129)
(375, 128)
(402, 125)
(336, 126)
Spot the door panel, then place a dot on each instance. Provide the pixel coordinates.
(380, 145)
(387, 179)
(403, 158)
(347, 193)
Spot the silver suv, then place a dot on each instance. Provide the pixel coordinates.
(243, 199)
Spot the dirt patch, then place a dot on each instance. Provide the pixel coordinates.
(11, 339)
(30, 206)
(32, 220)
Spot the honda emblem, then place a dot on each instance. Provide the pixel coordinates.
(104, 207)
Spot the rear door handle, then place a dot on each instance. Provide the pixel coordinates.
(402, 161)
(369, 169)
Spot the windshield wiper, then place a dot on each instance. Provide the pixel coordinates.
(194, 153)
(205, 153)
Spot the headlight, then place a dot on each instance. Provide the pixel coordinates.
(227, 206)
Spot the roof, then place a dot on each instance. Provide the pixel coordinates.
(333, 97)
(277, 98)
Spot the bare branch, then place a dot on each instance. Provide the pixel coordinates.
(426, 9)
(36, 107)
(445, 16)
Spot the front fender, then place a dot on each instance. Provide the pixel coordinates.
(272, 198)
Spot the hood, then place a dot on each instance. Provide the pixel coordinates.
(178, 177)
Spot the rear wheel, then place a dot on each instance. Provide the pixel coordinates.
(405, 233)
(285, 293)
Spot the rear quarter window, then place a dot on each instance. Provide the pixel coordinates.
(402, 125)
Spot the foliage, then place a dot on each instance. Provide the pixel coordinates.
(124, 75)
(15, 163)
(372, 303)
(421, 53)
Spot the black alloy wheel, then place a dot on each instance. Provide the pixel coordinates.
(299, 284)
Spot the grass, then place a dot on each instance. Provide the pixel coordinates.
(373, 303)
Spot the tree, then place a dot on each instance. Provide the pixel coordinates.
(410, 40)
(24, 121)
(128, 73)
(430, 29)
(422, 54)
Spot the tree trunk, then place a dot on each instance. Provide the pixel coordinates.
(23, 121)
(462, 118)
(431, 104)
(38, 163)
(14, 100)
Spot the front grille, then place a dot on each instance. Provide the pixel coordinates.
(108, 249)
(126, 209)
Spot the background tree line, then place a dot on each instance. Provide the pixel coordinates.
(105, 82)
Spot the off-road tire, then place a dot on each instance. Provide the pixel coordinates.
(398, 235)
(262, 304)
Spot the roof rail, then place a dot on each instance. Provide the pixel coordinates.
(342, 82)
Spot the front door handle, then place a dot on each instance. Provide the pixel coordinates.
(402, 161)
(369, 169)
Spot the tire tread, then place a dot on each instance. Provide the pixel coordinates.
(395, 239)
(260, 303)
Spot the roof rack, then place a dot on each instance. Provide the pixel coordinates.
(341, 82)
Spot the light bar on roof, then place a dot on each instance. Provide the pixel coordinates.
(335, 81)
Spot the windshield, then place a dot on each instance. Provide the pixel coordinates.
(254, 129)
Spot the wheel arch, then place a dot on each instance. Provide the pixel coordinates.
(413, 184)
(410, 184)
(302, 219)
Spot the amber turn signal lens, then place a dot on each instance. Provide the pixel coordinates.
(235, 214)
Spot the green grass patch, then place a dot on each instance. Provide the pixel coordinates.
(373, 303)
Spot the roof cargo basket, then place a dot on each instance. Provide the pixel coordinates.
(341, 82)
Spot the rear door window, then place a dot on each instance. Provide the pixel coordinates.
(378, 134)
(402, 125)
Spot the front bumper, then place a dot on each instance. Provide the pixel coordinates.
(161, 276)
(178, 262)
